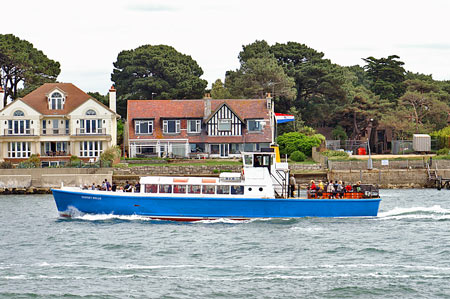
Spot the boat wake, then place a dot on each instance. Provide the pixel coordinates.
(105, 217)
(435, 212)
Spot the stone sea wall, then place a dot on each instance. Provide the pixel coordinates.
(40, 180)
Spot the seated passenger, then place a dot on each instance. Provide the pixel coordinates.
(348, 188)
(320, 189)
(237, 190)
(312, 189)
(340, 190)
(330, 189)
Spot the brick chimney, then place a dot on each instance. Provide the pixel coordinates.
(112, 98)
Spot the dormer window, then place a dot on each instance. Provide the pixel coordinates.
(19, 113)
(56, 101)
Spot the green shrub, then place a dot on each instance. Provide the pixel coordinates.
(298, 156)
(330, 153)
(31, 162)
(25, 164)
(339, 133)
(443, 151)
(6, 165)
(74, 161)
(443, 137)
(110, 155)
(34, 161)
(294, 141)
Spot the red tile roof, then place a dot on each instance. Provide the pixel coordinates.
(193, 108)
(38, 100)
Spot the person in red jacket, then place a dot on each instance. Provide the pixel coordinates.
(348, 188)
(312, 189)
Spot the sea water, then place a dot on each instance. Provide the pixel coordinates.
(403, 253)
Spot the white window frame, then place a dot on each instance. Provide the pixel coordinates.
(197, 127)
(18, 113)
(19, 127)
(56, 102)
(91, 148)
(258, 121)
(166, 126)
(91, 112)
(96, 129)
(140, 123)
(223, 122)
(19, 149)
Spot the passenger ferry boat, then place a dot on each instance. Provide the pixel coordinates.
(259, 191)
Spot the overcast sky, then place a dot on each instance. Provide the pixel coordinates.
(86, 36)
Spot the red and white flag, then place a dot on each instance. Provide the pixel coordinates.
(283, 118)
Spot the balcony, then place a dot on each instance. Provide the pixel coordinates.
(54, 131)
(84, 131)
(19, 132)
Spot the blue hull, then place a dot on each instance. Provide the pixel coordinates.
(183, 208)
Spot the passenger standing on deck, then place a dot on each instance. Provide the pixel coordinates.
(107, 185)
(137, 187)
(130, 188)
(126, 187)
(292, 185)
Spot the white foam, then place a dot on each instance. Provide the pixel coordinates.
(413, 211)
(103, 217)
(15, 277)
(223, 220)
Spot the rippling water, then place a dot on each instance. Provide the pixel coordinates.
(404, 252)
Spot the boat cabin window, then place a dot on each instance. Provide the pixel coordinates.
(194, 189)
(179, 188)
(260, 160)
(237, 190)
(248, 160)
(208, 189)
(151, 188)
(165, 188)
(223, 189)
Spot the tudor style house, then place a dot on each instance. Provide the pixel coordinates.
(56, 121)
(191, 128)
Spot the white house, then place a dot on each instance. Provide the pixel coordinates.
(56, 121)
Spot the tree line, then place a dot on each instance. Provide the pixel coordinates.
(302, 81)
